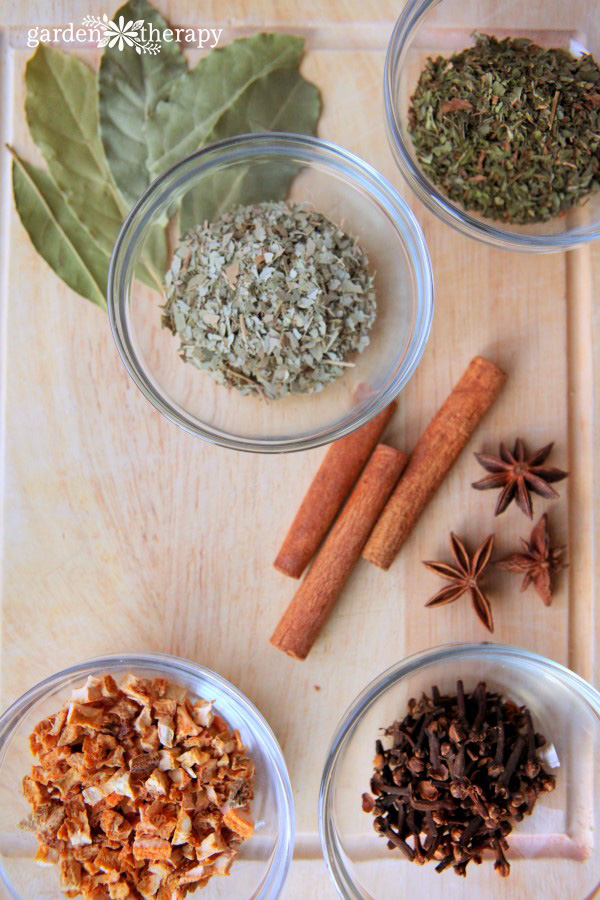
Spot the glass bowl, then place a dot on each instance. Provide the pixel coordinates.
(262, 866)
(554, 852)
(443, 27)
(345, 189)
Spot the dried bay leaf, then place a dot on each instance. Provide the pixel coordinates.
(281, 101)
(198, 100)
(129, 87)
(57, 234)
(62, 112)
(104, 139)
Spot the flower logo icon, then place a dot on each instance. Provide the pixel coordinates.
(121, 34)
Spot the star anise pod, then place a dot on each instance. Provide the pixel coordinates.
(517, 475)
(464, 577)
(538, 562)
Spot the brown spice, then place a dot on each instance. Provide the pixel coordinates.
(455, 105)
(314, 599)
(456, 775)
(139, 791)
(330, 487)
(518, 475)
(465, 577)
(435, 453)
(538, 562)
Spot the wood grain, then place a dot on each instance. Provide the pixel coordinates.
(122, 533)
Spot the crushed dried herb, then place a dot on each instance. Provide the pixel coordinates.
(458, 772)
(509, 129)
(271, 298)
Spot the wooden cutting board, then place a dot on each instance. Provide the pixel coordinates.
(122, 533)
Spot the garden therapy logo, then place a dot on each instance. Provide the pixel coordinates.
(142, 36)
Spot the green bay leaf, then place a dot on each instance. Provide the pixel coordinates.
(199, 99)
(281, 101)
(62, 113)
(57, 234)
(129, 87)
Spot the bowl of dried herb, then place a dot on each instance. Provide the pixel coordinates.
(493, 117)
(297, 297)
(476, 760)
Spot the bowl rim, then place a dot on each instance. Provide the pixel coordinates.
(408, 21)
(378, 686)
(284, 845)
(283, 144)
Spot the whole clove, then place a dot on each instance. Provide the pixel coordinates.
(461, 770)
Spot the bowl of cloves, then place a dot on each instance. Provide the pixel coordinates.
(476, 760)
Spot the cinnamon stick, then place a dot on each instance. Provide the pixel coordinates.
(432, 458)
(330, 487)
(304, 617)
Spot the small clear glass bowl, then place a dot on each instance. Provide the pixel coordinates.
(443, 27)
(343, 188)
(554, 853)
(263, 862)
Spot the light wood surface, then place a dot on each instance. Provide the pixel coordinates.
(122, 533)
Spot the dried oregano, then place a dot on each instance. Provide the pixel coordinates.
(509, 129)
(270, 298)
